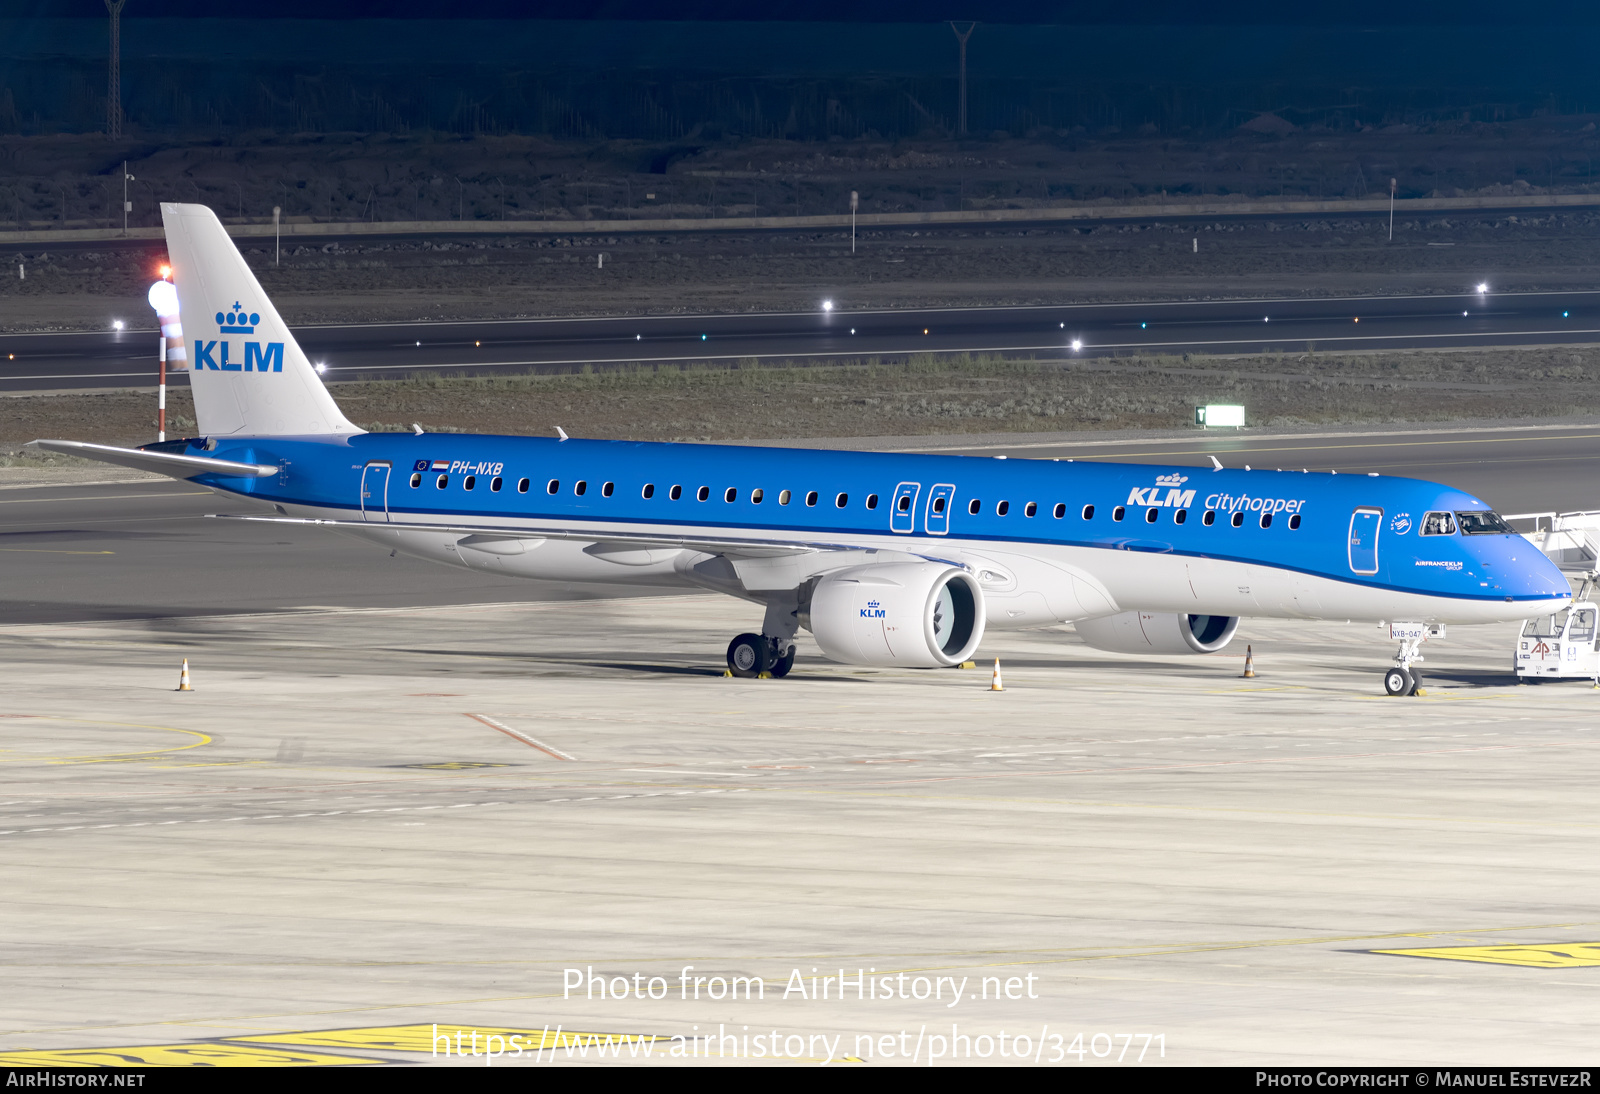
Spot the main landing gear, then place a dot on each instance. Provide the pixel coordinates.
(1402, 679)
(751, 655)
(770, 653)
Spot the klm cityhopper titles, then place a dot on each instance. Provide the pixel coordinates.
(886, 559)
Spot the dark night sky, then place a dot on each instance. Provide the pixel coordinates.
(1553, 13)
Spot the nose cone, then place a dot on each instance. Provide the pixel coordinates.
(1525, 576)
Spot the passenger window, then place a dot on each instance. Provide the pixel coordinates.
(1151, 514)
(496, 483)
(904, 504)
(938, 504)
(1439, 524)
(1266, 520)
(444, 481)
(841, 501)
(580, 487)
(730, 494)
(973, 506)
(416, 481)
(1180, 516)
(675, 493)
(606, 489)
(553, 486)
(1060, 510)
(872, 501)
(756, 496)
(649, 490)
(1238, 520)
(1088, 512)
(703, 493)
(522, 486)
(1003, 508)
(469, 482)
(811, 498)
(1294, 522)
(1030, 509)
(1118, 513)
(1210, 518)
(783, 497)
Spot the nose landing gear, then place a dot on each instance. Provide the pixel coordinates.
(1402, 679)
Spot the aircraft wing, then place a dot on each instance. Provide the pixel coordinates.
(483, 537)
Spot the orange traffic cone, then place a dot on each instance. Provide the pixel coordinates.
(1249, 664)
(996, 685)
(183, 677)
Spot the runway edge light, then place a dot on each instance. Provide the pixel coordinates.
(1219, 417)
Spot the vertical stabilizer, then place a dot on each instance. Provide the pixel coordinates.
(249, 375)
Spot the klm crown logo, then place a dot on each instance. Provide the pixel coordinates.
(238, 321)
(1173, 479)
(219, 356)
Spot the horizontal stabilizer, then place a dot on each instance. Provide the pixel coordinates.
(162, 463)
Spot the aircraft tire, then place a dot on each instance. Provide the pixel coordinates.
(1398, 681)
(1416, 681)
(749, 656)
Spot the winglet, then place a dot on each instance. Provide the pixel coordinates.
(562, 432)
(1216, 464)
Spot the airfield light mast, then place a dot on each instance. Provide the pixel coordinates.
(961, 36)
(114, 86)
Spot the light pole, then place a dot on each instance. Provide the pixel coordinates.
(114, 73)
(1392, 185)
(855, 200)
(127, 206)
(277, 236)
(461, 199)
(962, 36)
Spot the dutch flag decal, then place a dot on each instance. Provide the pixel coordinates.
(441, 465)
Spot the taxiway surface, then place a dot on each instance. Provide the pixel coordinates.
(362, 825)
(63, 361)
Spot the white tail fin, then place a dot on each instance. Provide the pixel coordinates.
(249, 375)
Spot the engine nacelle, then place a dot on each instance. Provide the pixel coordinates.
(1152, 632)
(913, 614)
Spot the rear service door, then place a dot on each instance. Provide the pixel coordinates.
(940, 498)
(903, 510)
(1364, 525)
(375, 491)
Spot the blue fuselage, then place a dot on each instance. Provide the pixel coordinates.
(1363, 532)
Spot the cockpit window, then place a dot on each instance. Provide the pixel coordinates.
(1483, 522)
(1545, 626)
(1439, 524)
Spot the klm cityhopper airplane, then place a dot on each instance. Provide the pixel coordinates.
(886, 559)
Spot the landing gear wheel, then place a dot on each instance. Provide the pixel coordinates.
(781, 665)
(1398, 681)
(1416, 682)
(749, 656)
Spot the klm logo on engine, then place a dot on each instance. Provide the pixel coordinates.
(873, 611)
(218, 355)
(1175, 497)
